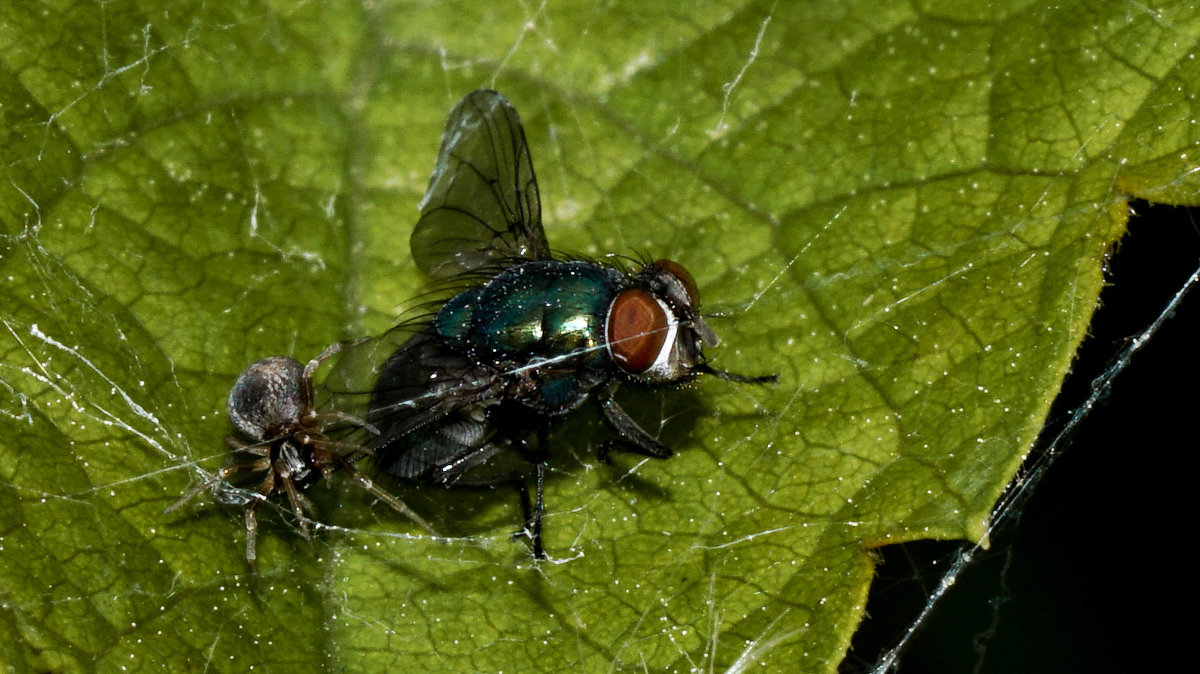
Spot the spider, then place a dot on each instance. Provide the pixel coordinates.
(271, 404)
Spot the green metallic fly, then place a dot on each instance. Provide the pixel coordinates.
(529, 338)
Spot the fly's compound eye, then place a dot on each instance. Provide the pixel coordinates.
(679, 277)
(679, 288)
(640, 333)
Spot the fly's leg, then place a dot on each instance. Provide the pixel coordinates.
(533, 514)
(633, 437)
(539, 507)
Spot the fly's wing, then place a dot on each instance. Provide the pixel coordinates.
(417, 406)
(423, 404)
(400, 381)
(421, 383)
(442, 452)
(430, 407)
(482, 206)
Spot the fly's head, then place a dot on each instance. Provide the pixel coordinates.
(655, 333)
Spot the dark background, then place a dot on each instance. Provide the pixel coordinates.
(1078, 578)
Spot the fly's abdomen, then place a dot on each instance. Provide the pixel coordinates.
(440, 453)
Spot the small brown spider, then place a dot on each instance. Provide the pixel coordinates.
(271, 404)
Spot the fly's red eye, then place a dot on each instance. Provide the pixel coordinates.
(685, 279)
(636, 330)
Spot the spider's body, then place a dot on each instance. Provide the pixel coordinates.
(271, 406)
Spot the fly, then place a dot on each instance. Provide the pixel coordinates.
(528, 338)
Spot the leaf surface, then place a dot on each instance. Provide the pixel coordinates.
(901, 208)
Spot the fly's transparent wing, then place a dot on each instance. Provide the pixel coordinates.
(482, 205)
(401, 381)
(423, 382)
(421, 408)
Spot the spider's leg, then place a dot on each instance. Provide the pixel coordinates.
(252, 536)
(298, 504)
(256, 448)
(219, 477)
(306, 385)
(379, 493)
(334, 416)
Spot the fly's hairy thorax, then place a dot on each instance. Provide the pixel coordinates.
(542, 310)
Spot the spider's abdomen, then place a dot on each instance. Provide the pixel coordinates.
(267, 400)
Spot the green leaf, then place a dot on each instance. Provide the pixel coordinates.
(901, 208)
